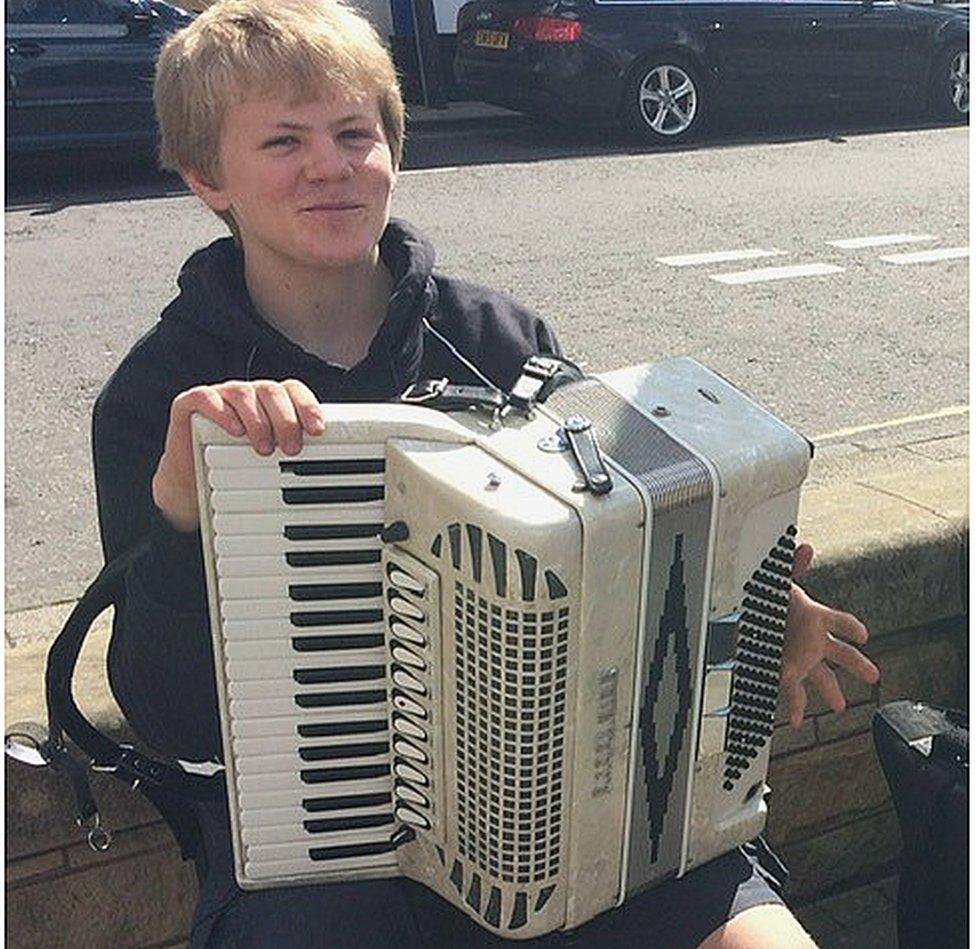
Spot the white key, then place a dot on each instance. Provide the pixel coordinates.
(283, 608)
(275, 565)
(266, 708)
(296, 814)
(235, 479)
(290, 744)
(283, 666)
(347, 838)
(290, 792)
(259, 783)
(276, 764)
(243, 456)
(275, 586)
(278, 643)
(278, 869)
(298, 834)
(268, 499)
(287, 725)
(282, 515)
(248, 545)
(275, 688)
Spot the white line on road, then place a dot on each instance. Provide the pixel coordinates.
(776, 273)
(718, 257)
(446, 169)
(880, 240)
(948, 411)
(928, 256)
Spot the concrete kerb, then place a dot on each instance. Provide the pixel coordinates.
(459, 116)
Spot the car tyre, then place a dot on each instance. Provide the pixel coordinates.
(665, 100)
(950, 85)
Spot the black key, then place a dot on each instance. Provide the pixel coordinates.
(352, 850)
(336, 643)
(328, 729)
(331, 558)
(331, 699)
(338, 674)
(362, 772)
(335, 617)
(334, 466)
(344, 802)
(325, 824)
(357, 494)
(333, 591)
(363, 749)
(331, 531)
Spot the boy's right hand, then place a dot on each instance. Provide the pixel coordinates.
(271, 414)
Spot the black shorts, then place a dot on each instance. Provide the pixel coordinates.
(378, 914)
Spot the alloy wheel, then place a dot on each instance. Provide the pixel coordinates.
(668, 100)
(959, 81)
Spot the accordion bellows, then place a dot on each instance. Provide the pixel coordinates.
(440, 656)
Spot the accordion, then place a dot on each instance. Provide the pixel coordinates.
(445, 650)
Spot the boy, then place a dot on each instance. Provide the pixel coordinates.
(285, 118)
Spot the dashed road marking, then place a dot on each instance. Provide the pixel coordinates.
(880, 240)
(927, 256)
(776, 273)
(718, 257)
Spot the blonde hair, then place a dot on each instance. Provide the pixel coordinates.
(240, 48)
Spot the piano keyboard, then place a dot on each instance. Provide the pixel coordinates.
(305, 658)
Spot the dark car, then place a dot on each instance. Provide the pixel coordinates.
(79, 72)
(662, 66)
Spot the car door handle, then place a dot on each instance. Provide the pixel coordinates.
(813, 24)
(715, 27)
(27, 48)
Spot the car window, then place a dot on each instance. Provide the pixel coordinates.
(68, 11)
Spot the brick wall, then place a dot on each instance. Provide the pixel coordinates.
(830, 818)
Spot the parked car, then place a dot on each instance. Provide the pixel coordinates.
(662, 66)
(79, 72)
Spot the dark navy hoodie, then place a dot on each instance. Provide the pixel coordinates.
(160, 660)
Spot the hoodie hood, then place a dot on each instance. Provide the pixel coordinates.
(213, 298)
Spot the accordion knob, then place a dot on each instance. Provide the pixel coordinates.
(401, 836)
(396, 531)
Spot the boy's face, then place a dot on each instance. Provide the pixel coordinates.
(308, 184)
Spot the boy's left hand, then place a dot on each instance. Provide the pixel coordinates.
(818, 637)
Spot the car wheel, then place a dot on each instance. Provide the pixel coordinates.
(950, 85)
(665, 100)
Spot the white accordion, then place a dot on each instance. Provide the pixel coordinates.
(441, 655)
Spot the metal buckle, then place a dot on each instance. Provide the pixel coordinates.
(99, 838)
(27, 742)
(424, 391)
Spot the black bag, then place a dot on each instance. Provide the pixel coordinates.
(924, 752)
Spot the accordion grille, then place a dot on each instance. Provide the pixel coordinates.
(511, 670)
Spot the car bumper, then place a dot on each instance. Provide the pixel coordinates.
(560, 81)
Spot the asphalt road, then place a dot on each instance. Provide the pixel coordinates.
(572, 225)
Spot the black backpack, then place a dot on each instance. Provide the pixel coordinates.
(924, 752)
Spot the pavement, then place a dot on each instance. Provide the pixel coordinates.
(459, 114)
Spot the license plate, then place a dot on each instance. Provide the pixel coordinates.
(492, 39)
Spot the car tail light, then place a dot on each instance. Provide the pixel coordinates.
(547, 29)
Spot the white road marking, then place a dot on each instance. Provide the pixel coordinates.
(718, 257)
(880, 240)
(947, 412)
(446, 169)
(927, 256)
(776, 273)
